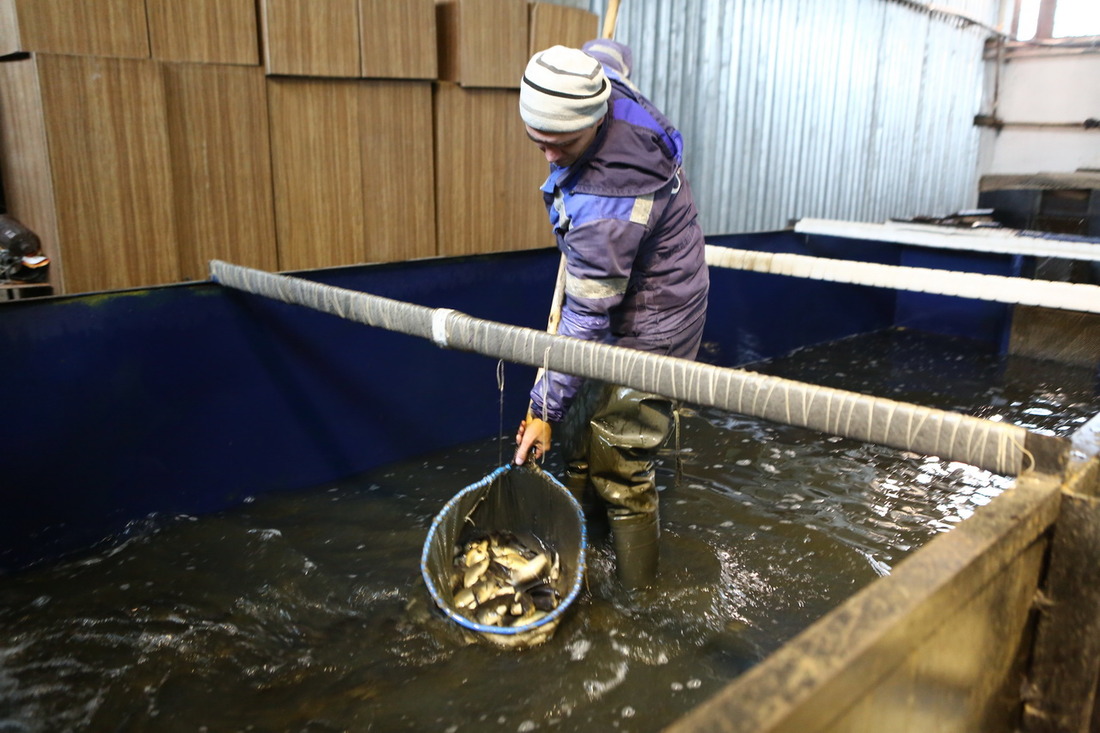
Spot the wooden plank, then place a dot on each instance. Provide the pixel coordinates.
(9, 29)
(965, 676)
(221, 172)
(1084, 464)
(100, 28)
(482, 43)
(553, 25)
(204, 31)
(398, 170)
(25, 159)
(893, 652)
(108, 146)
(398, 39)
(1066, 667)
(311, 37)
(316, 163)
(487, 174)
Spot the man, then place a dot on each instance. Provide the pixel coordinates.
(626, 222)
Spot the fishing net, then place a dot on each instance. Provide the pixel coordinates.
(516, 502)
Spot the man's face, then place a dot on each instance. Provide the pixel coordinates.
(563, 148)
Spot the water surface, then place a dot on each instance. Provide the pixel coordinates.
(305, 611)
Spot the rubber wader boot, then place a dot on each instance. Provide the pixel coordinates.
(576, 480)
(636, 538)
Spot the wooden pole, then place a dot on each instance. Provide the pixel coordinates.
(610, 18)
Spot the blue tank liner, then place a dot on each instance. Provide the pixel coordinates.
(788, 313)
(187, 399)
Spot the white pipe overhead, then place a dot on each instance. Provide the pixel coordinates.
(976, 240)
(1078, 297)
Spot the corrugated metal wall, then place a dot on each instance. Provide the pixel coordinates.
(847, 109)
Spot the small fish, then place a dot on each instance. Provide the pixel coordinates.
(502, 579)
(530, 570)
(544, 597)
(522, 604)
(487, 616)
(528, 618)
(465, 598)
(475, 573)
(511, 561)
(476, 553)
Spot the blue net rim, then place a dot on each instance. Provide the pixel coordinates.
(461, 620)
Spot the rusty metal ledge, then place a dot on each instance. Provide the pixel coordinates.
(1064, 675)
(838, 664)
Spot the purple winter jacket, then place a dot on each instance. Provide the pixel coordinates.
(627, 224)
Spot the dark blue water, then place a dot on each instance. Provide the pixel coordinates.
(306, 611)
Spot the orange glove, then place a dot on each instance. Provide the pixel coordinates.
(532, 439)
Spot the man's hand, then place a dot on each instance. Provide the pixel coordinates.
(532, 439)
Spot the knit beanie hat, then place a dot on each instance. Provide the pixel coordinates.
(563, 90)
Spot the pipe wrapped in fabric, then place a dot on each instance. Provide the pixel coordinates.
(522, 500)
(1081, 297)
(995, 446)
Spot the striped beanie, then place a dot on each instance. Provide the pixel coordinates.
(563, 90)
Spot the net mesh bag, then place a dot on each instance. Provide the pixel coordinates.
(518, 501)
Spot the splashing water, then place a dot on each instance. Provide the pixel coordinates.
(306, 611)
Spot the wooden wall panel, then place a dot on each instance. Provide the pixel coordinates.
(221, 166)
(9, 29)
(488, 174)
(86, 27)
(109, 155)
(204, 31)
(311, 37)
(352, 164)
(552, 25)
(398, 170)
(398, 39)
(482, 43)
(25, 159)
(316, 163)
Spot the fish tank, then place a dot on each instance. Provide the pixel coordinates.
(217, 501)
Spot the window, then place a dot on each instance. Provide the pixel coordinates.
(1044, 19)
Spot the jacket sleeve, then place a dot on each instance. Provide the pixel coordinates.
(599, 259)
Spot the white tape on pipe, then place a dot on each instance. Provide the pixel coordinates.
(439, 326)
